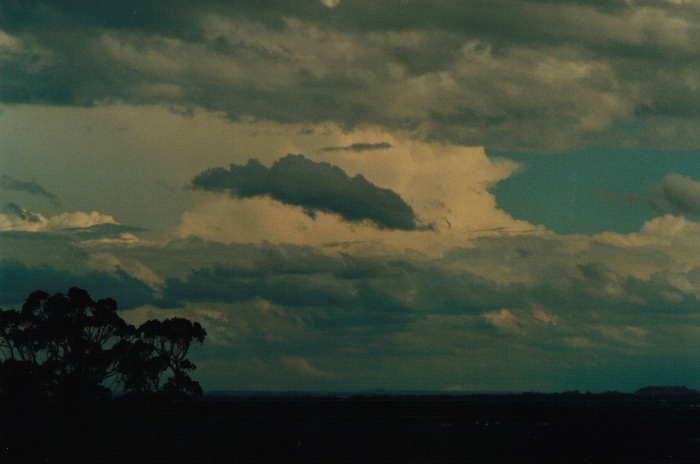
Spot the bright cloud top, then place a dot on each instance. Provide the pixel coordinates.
(444, 187)
(19, 219)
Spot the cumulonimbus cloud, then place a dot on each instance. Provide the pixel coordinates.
(296, 180)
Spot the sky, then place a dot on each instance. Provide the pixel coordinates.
(351, 195)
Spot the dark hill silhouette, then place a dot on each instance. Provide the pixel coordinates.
(522, 428)
(668, 391)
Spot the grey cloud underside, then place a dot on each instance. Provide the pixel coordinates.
(101, 231)
(267, 298)
(351, 291)
(296, 180)
(503, 73)
(344, 290)
(332, 298)
(676, 194)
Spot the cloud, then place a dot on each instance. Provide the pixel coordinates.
(225, 284)
(527, 295)
(303, 366)
(17, 281)
(483, 310)
(579, 73)
(477, 295)
(296, 180)
(324, 291)
(86, 229)
(10, 183)
(360, 147)
(504, 320)
(447, 187)
(552, 298)
(22, 214)
(101, 230)
(330, 3)
(676, 194)
(22, 220)
(332, 291)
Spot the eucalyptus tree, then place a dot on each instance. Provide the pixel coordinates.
(68, 345)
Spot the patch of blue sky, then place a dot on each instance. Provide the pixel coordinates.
(589, 191)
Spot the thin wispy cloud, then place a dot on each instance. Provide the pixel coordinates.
(359, 147)
(10, 183)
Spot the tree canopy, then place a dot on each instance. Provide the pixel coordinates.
(68, 345)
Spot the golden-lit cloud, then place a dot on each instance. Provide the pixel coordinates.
(24, 221)
(446, 186)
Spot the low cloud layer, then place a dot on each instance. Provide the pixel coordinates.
(296, 180)
(563, 306)
(558, 300)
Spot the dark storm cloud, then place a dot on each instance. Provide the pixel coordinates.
(335, 293)
(676, 194)
(292, 274)
(31, 187)
(296, 180)
(357, 147)
(17, 281)
(346, 292)
(503, 73)
(221, 284)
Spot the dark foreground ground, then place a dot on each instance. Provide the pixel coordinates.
(532, 428)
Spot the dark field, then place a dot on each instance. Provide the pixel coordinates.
(521, 428)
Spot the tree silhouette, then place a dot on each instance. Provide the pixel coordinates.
(171, 340)
(60, 346)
